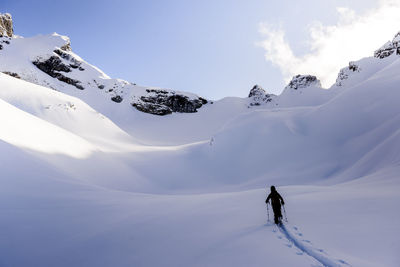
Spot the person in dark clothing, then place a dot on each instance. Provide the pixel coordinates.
(276, 201)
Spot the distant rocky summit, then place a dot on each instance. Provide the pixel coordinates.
(259, 96)
(303, 81)
(6, 25)
(389, 48)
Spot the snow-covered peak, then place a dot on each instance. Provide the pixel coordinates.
(389, 48)
(303, 81)
(259, 96)
(48, 60)
(256, 91)
(6, 26)
(346, 72)
(304, 90)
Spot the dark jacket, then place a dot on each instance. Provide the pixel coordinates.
(276, 199)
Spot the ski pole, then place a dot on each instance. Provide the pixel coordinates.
(284, 211)
(268, 210)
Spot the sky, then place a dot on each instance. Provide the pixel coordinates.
(214, 48)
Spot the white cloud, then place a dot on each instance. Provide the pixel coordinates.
(333, 46)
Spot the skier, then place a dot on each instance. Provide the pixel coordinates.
(276, 200)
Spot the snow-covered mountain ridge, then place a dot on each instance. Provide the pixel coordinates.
(48, 60)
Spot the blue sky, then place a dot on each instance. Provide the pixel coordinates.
(205, 47)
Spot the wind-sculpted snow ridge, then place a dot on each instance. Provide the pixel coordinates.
(66, 112)
(42, 136)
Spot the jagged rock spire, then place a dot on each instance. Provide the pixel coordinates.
(6, 27)
(389, 48)
(302, 81)
(257, 91)
(259, 96)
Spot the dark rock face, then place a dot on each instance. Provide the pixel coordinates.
(256, 91)
(117, 99)
(75, 64)
(70, 81)
(152, 108)
(303, 81)
(53, 66)
(259, 96)
(6, 25)
(389, 48)
(163, 102)
(12, 74)
(353, 66)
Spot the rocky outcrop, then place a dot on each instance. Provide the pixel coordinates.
(74, 63)
(53, 66)
(391, 47)
(6, 26)
(303, 81)
(163, 102)
(259, 96)
(117, 99)
(4, 40)
(346, 72)
(12, 74)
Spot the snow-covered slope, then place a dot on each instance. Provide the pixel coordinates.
(64, 111)
(29, 132)
(105, 184)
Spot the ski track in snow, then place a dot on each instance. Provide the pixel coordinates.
(312, 252)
